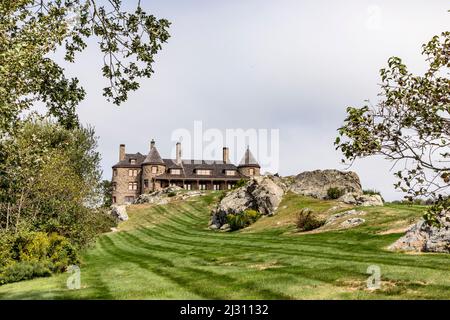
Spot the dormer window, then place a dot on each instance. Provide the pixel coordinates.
(203, 172)
(132, 161)
(175, 171)
(230, 172)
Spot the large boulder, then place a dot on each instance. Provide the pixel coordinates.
(362, 199)
(119, 212)
(421, 237)
(262, 194)
(316, 183)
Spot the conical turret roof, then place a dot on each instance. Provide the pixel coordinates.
(153, 157)
(248, 160)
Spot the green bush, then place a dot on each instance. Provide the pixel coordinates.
(240, 183)
(101, 221)
(307, 220)
(26, 255)
(23, 271)
(222, 194)
(171, 194)
(243, 219)
(371, 192)
(335, 193)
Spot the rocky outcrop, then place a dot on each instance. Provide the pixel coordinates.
(119, 212)
(316, 183)
(421, 237)
(263, 194)
(331, 219)
(352, 222)
(166, 195)
(362, 199)
(159, 196)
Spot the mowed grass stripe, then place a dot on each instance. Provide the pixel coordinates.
(167, 252)
(177, 232)
(182, 275)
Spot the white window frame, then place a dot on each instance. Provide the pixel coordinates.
(203, 172)
(132, 186)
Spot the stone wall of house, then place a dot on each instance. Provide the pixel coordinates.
(246, 171)
(121, 180)
(148, 175)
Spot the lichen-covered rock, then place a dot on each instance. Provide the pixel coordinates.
(331, 219)
(316, 183)
(362, 199)
(422, 237)
(352, 222)
(263, 194)
(119, 212)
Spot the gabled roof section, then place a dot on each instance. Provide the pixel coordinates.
(153, 157)
(126, 163)
(248, 160)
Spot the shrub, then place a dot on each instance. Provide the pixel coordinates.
(34, 254)
(222, 194)
(335, 193)
(24, 271)
(306, 220)
(102, 221)
(61, 253)
(371, 192)
(243, 219)
(240, 183)
(171, 194)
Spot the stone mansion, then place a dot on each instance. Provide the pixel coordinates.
(136, 173)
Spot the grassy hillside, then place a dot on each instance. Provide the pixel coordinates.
(167, 252)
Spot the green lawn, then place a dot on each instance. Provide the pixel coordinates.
(167, 252)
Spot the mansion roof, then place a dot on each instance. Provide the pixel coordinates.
(187, 168)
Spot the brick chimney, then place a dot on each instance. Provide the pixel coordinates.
(226, 155)
(121, 152)
(178, 155)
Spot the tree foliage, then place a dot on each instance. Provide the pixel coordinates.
(106, 193)
(50, 181)
(410, 125)
(32, 30)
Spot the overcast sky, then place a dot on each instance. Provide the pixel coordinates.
(288, 65)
